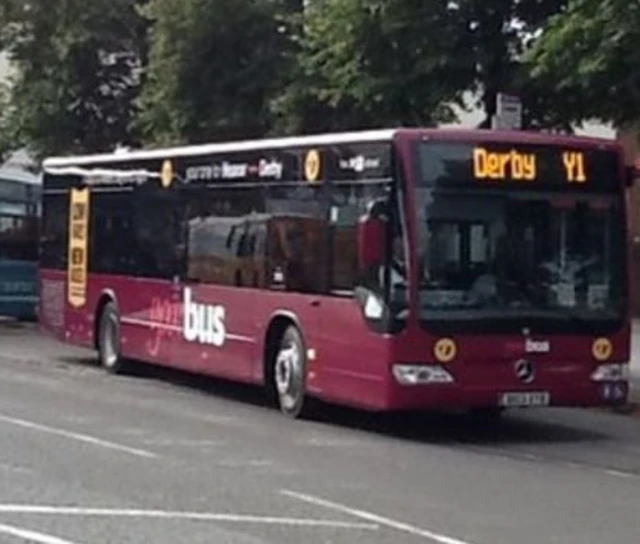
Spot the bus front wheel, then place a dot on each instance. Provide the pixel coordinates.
(289, 375)
(109, 340)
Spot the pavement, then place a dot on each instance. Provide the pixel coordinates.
(163, 457)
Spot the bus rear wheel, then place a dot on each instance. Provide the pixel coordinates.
(289, 375)
(109, 341)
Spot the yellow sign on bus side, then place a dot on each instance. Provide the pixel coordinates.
(312, 165)
(78, 258)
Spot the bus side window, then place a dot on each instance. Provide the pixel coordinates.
(114, 248)
(218, 221)
(54, 231)
(297, 249)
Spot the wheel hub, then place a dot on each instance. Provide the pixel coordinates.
(109, 343)
(287, 374)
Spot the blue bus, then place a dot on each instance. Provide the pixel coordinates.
(20, 210)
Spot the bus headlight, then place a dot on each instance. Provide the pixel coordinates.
(421, 374)
(613, 372)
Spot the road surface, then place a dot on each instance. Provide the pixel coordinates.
(166, 458)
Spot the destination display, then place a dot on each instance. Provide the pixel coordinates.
(532, 167)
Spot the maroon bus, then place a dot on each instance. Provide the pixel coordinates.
(385, 270)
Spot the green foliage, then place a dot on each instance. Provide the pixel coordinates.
(498, 33)
(214, 66)
(590, 56)
(92, 74)
(364, 63)
(7, 138)
(76, 64)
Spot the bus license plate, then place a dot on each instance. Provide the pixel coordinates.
(525, 399)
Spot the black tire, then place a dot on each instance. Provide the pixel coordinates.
(290, 375)
(109, 341)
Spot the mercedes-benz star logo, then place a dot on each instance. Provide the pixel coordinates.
(525, 371)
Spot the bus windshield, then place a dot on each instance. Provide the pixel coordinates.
(507, 256)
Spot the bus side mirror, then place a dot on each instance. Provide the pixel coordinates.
(371, 241)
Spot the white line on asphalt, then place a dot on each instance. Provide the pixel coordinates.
(77, 436)
(31, 536)
(175, 515)
(374, 518)
(517, 455)
(184, 443)
(234, 463)
(621, 474)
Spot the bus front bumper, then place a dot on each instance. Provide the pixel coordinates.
(591, 387)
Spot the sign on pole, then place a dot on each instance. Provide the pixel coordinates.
(508, 112)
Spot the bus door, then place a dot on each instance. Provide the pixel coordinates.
(298, 265)
(215, 332)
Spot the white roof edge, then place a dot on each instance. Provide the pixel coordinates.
(247, 145)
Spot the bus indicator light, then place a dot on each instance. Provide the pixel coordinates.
(602, 349)
(445, 350)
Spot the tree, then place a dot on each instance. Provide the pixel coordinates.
(77, 69)
(364, 63)
(498, 34)
(589, 56)
(7, 140)
(214, 66)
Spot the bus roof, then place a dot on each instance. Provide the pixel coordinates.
(338, 138)
(209, 149)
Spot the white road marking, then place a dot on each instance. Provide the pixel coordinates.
(234, 463)
(77, 436)
(374, 518)
(31, 536)
(185, 443)
(18, 469)
(175, 515)
(621, 474)
(517, 455)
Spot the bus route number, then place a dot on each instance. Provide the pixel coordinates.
(574, 166)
